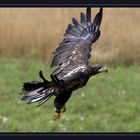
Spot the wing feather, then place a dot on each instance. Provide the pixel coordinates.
(83, 19)
(78, 38)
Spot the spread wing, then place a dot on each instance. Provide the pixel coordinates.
(75, 48)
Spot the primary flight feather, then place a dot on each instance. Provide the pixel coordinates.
(72, 61)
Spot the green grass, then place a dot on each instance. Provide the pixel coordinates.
(109, 102)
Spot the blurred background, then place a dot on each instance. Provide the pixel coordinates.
(109, 102)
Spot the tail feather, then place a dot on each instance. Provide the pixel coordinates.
(30, 94)
(36, 96)
(35, 91)
(33, 85)
(44, 100)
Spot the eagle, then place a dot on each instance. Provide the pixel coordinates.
(71, 60)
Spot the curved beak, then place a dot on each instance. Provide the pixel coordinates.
(103, 69)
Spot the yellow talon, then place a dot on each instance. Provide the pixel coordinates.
(57, 116)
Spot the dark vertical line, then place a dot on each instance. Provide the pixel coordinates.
(88, 14)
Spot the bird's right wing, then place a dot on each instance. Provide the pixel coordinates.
(75, 48)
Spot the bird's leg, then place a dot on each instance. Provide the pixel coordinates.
(57, 114)
(60, 102)
(63, 109)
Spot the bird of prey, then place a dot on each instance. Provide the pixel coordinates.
(72, 60)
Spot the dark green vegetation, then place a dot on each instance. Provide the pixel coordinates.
(109, 102)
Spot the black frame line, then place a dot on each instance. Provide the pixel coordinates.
(63, 4)
(69, 3)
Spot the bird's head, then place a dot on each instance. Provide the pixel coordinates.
(98, 68)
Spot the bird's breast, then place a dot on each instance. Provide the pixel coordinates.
(75, 78)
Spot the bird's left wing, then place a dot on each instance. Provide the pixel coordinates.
(75, 48)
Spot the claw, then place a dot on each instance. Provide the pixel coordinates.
(57, 116)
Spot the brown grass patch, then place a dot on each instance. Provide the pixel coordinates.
(36, 32)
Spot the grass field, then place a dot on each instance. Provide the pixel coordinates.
(109, 102)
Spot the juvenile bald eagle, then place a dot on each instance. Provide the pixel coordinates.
(72, 58)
